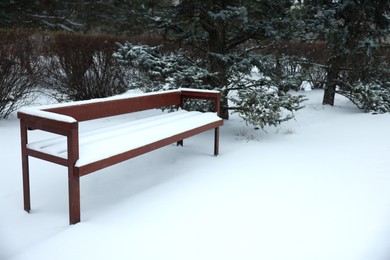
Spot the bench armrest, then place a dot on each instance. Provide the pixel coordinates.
(204, 94)
(47, 121)
(33, 119)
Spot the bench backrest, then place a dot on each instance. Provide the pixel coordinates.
(112, 107)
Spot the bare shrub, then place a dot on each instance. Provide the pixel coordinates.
(18, 68)
(81, 67)
(303, 61)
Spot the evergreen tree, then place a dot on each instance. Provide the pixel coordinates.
(354, 31)
(224, 39)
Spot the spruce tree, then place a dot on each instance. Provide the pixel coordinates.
(355, 31)
(222, 40)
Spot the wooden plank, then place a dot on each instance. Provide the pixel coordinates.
(47, 157)
(89, 168)
(205, 95)
(46, 124)
(25, 167)
(109, 108)
(73, 177)
(216, 141)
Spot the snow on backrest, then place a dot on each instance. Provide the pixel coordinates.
(100, 108)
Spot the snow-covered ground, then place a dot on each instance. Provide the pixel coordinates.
(314, 188)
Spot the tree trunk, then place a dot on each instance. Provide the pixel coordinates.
(224, 105)
(217, 45)
(334, 65)
(329, 94)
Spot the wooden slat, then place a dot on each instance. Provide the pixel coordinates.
(50, 125)
(89, 168)
(198, 94)
(47, 157)
(109, 108)
(205, 95)
(73, 177)
(25, 167)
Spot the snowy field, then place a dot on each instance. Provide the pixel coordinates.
(314, 188)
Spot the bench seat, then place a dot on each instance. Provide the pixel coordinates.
(113, 140)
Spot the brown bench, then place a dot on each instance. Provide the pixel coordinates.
(85, 152)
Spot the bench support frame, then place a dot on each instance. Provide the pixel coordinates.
(83, 112)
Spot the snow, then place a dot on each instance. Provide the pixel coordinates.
(313, 188)
(95, 100)
(119, 138)
(48, 115)
(199, 90)
(33, 110)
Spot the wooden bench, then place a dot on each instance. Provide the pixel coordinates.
(85, 152)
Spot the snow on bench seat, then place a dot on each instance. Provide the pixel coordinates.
(105, 142)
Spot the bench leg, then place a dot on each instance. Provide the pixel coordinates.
(26, 184)
(25, 168)
(216, 141)
(74, 196)
(181, 143)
